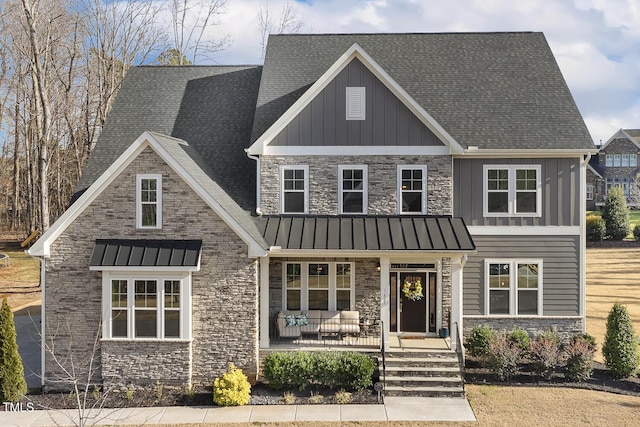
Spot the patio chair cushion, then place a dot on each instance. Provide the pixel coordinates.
(330, 322)
(349, 322)
(313, 322)
(284, 330)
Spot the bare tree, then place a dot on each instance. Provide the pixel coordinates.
(190, 20)
(288, 22)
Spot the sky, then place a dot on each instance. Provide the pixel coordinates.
(595, 42)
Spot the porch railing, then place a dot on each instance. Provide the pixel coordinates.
(312, 332)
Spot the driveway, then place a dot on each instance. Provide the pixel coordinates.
(27, 321)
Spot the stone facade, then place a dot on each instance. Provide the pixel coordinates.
(619, 174)
(382, 182)
(224, 290)
(565, 326)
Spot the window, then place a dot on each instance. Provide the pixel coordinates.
(513, 287)
(356, 106)
(412, 189)
(625, 160)
(616, 160)
(625, 186)
(589, 191)
(633, 160)
(318, 286)
(295, 189)
(147, 307)
(609, 160)
(512, 190)
(352, 189)
(149, 201)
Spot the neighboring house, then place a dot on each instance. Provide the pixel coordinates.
(615, 165)
(345, 167)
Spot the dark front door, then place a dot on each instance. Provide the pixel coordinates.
(413, 311)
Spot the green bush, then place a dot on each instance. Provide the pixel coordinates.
(503, 356)
(478, 341)
(12, 383)
(232, 388)
(616, 214)
(596, 228)
(348, 370)
(519, 337)
(620, 348)
(545, 354)
(579, 352)
(636, 232)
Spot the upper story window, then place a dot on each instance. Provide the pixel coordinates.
(621, 160)
(513, 287)
(616, 160)
(356, 106)
(352, 189)
(412, 189)
(147, 306)
(294, 185)
(609, 160)
(149, 201)
(512, 190)
(633, 160)
(625, 160)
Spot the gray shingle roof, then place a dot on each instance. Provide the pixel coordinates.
(210, 107)
(490, 90)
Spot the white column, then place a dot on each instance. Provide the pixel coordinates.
(385, 299)
(456, 300)
(264, 302)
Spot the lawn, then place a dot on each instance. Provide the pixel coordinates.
(19, 282)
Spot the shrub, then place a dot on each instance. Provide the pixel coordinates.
(343, 397)
(354, 370)
(12, 383)
(620, 348)
(596, 228)
(288, 369)
(520, 337)
(503, 356)
(288, 398)
(579, 352)
(636, 232)
(545, 354)
(616, 214)
(232, 388)
(478, 341)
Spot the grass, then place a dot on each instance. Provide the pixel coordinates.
(23, 269)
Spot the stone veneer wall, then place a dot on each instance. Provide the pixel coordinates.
(565, 326)
(382, 180)
(446, 292)
(224, 291)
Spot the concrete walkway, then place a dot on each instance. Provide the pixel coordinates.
(394, 409)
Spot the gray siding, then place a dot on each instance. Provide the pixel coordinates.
(561, 267)
(560, 192)
(388, 121)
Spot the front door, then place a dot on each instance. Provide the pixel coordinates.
(413, 302)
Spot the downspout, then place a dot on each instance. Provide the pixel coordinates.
(258, 179)
(583, 240)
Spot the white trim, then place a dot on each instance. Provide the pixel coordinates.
(526, 230)
(423, 197)
(524, 153)
(355, 51)
(360, 150)
(595, 172)
(512, 191)
(331, 286)
(42, 247)
(43, 320)
(364, 191)
(304, 168)
(513, 284)
(158, 178)
(264, 301)
(621, 133)
(504, 316)
(356, 105)
(400, 256)
(582, 271)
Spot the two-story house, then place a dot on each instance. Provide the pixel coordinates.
(615, 165)
(339, 175)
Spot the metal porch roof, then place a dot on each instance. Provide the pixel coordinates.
(145, 253)
(393, 233)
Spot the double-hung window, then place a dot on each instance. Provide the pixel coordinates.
(513, 287)
(609, 160)
(294, 185)
(318, 286)
(633, 160)
(511, 190)
(616, 160)
(147, 306)
(149, 201)
(589, 191)
(412, 189)
(352, 189)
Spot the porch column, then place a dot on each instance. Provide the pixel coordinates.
(264, 302)
(456, 299)
(385, 300)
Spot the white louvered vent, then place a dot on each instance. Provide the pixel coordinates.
(355, 103)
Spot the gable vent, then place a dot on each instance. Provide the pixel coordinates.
(355, 103)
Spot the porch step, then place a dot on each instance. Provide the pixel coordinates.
(425, 373)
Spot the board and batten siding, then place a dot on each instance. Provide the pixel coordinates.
(560, 265)
(387, 120)
(561, 192)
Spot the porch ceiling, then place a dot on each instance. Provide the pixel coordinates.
(394, 233)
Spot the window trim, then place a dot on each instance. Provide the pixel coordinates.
(284, 168)
(589, 191)
(356, 105)
(158, 202)
(513, 285)
(512, 191)
(304, 283)
(364, 191)
(423, 208)
(185, 280)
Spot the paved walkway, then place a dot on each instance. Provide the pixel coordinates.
(27, 321)
(394, 409)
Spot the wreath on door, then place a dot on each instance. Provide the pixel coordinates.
(412, 288)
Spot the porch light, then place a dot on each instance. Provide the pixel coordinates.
(378, 265)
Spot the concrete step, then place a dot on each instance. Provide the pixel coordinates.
(421, 361)
(423, 381)
(427, 371)
(426, 391)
